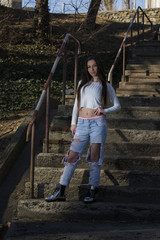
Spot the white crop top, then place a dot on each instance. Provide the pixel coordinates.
(91, 98)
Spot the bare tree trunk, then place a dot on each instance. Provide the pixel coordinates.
(90, 20)
(126, 4)
(41, 19)
(108, 4)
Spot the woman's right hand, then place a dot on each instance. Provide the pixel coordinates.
(73, 129)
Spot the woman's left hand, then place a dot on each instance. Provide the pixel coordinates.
(98, 111)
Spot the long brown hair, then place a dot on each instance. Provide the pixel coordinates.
(86, 78)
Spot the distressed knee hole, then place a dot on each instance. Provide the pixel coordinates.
(95, 152)
(73, 157)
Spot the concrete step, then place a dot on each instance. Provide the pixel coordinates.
(141, 80)
(48, 175)
(114, 135)
(137, 92)
(46, 178)
(128, 149)
(118, 123)
(144, 53)
(144, 60)
(148, 55)
(125, 112)
(139, 85)
(36, 209)
(85, 229)
(151, 43)
(111, 162)
(105, 193)
(148, 67)
(150, 49)
(155, 58)
(143, 73)
(148, 45)
(126, 101)
(139, 101)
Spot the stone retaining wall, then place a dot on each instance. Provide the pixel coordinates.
(17, 4)
(127, 15)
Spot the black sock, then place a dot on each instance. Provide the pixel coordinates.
(63, 189)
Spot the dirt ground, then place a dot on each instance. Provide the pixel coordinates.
(9, 123)
(82, 231)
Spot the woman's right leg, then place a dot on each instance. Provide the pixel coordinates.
(76, 150)
(70, 161)
(72, 158)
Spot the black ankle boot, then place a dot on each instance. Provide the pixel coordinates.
(90, 197)
(58, 194)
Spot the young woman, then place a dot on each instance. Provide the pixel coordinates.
(91, 105)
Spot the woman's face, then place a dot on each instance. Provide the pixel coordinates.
(92, 68)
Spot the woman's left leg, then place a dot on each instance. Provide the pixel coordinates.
(98, 133)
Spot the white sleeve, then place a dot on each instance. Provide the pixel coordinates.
(75, 109)
(113, 99)
(75, 112)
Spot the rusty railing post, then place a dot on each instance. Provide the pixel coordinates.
(47, 120)
(32, 161)
(75, 69)
(138, 25)
(159, 34)
(151, 27)
(143, 27)
(31, 125)
(64, 76)
(111, 79)
(124, 61)
(131, 38)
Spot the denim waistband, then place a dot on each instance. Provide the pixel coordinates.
(91, 117)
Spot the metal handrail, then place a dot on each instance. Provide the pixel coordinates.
(46, 93)
(124, 41)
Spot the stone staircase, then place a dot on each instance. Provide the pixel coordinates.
(142, 74)
(130, 175)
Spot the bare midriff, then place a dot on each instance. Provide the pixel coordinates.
(87, 113)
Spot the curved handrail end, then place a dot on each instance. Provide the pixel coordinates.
(30, 125)
(78, 42)
(28, 132)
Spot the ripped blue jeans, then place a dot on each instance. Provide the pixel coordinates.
(95, 130)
